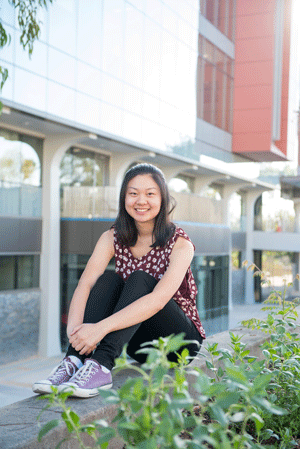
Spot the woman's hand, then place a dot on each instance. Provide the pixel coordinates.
(84, 338)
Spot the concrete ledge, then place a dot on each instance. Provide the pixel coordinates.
(18, 422)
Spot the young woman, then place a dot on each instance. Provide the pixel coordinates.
(150, 294)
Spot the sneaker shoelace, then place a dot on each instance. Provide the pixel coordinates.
(63, 367)
(85, 373)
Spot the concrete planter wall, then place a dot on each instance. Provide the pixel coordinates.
(19, 324)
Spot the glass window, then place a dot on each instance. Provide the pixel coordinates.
(214, 86)
(83, 168)
(20, 158)
(134, 47)
(211, 276)
(37, 63)
(221, 13)
(61, 100)
(152, 63)
(61, 68)
(19, 272)
(113, 37)
(89, 43)
(210, 11)
(30, 89)
(62, 32)
(89, 80)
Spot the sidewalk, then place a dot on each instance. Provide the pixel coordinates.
(16, 378)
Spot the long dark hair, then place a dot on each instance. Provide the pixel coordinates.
(163, 228)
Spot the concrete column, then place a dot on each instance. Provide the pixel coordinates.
(250, 198)
(227, 192)
(202, 182)
(297, 214)
(118, 166)
(49, 336)
(172, 172)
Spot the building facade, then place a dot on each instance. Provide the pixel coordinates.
(117, 83)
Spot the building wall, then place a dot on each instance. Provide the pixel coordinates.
(262, 79)
(127, 68)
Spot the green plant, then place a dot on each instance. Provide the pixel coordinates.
(246, 403)
(156, 409)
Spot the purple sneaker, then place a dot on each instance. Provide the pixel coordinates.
(61, 373)
(88, 379)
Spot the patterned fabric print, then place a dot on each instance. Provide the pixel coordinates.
(155, 262)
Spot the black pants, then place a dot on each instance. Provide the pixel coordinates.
(111, 294)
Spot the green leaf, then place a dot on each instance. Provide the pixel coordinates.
(220, 372)
(106, 434)
(175, 343)
(159, 372)
(47, 427)
(262, 381)
(259, 422)
(219, 415)
(129, 425)
(227, 398)
(268, 406)
(209, 364)
(237, 375)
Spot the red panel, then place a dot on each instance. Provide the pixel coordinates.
(246, 7)
(253, 89)
(250, 121)
(246, 143)
(253, 97)
(258, 25)
(253, 73)
(255, 49)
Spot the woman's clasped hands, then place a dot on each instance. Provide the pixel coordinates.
(85, 338)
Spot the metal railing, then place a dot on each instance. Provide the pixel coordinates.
(20, 200)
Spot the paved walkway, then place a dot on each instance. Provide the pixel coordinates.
(16, 378)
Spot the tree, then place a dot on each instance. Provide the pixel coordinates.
(30, 29)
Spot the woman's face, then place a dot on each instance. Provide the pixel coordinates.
(143, 199)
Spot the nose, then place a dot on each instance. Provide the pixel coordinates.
(141, 199)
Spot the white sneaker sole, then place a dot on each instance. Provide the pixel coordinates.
(83, 392)
(41, 388)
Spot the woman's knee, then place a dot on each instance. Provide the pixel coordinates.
(141, 278)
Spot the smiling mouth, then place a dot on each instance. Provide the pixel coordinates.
(141, 210)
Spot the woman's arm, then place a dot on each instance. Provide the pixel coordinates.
(85, 337)
(102, 254)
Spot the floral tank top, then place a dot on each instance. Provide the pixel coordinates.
(155, 262)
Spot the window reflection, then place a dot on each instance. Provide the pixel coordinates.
(221, 14)
(20, 174)
(20, 158)
(211, 276)
(214, 86)
(61, 68)
(113, 37)
(61, 100)
(62, 32)
(30, 89)
(89, 43)
(83, 168)
(19, 272)
(133, 51)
